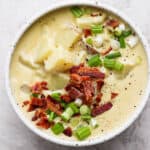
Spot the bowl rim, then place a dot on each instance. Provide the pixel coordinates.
(51, 138)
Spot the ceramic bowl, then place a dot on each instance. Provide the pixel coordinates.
(92, 141)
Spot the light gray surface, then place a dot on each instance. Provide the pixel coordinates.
(13, 134)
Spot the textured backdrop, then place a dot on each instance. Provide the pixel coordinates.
(13, 134)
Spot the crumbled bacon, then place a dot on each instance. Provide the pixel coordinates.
(106, 51)
(68, 131)
(53, 106)
(113, 95)
(38, 114)
(99, 97)
(113, 23)
(91, 72)
(87, 32)
(100, 84)
(101, 109)
(39, 86)
(66, 98)
(74, 93)
(25, 103)
(44, 123)
(90, 49)
(75, 69)
(35, 103)
(88, 91)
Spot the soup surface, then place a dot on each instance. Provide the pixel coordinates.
(77, 72)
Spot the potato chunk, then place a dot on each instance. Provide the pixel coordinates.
(86, 21)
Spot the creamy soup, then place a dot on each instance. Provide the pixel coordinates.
(83, 68)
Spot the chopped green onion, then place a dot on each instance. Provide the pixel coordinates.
(118, 66)
(86, 117)
(117, 33)
(122, 41)
(109, 63)
(89, 41)
(97, 29)
(82, 133)
(126, 33)
(113, 64)
(87, 10)
(48, 111)
(63, 104)
(56, 96)
(85, 110)
(113, 55)
(35, 95)
(67, 114)
(76, 11)
(75, 121)
(74, 108)
(57, 128)
(94, 61)
(52, 116)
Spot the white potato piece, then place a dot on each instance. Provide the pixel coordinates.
(86, 21)
(132, 41)
(67, 36)
(45, 45)
(27, 59)
(59, 61)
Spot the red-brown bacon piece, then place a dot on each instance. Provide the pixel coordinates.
(44, 123)
(99, 97)
(91, 72)
(90, 49)
(88, 92)
(114, 95)
(66, 98)
(75, 69)
(75, 93)
(87, 32)
(101, 109)
(38, 114)
(39, 86)
(68, 131)
(100, 84)
(113, 23)
(106, 51)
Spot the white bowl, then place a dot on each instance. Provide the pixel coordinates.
(93, 141)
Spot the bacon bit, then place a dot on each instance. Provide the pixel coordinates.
(39, 86)
(44, 123)
(106, 51)
(25, 103)
(74, 93)
(36, 103)
(113, 23)
(75, 69)
(100, 84)
(88, 91)
(77, 79)
(38, 114)
(113, 95)
(91, 72)
(101, 109)
(87, 32)
(66, 98)
(55, 107)
(94, 14)
(99, 97)
(90, 49)
(68, 131)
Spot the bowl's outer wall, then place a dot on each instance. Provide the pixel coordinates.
(93, 141)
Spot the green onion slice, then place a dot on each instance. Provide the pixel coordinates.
(94, 61)
(96, 29)
(76, 11)
(113, 55)
(57, 128)
(74, 108)
(83, 132)
(56, 96)
(51, 116)
(85, 110)
(122, 41)
(89, 41)
(126, 33)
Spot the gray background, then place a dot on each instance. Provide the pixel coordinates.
(13, 134)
